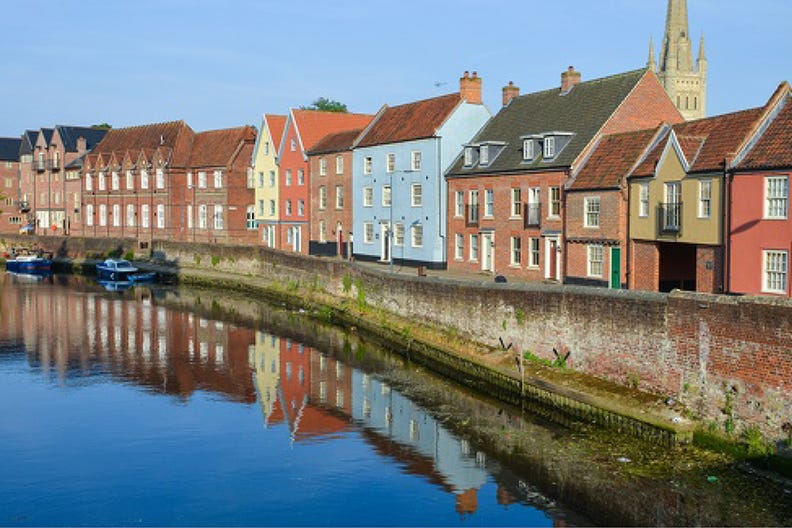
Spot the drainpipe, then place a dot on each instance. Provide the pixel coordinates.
(442, 214)
(627, 253)
(726, 203)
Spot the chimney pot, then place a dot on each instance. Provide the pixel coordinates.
(510, 92)
(569, 79)
(470, 88)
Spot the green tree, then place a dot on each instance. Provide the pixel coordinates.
(106, 126)
(326, 105)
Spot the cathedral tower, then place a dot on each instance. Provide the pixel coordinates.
(685, 82)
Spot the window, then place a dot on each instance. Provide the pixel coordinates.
(300, 207)
(549, 147)
(101, 179)
(705, 198)
(250, 217)
(144, 179)
(484, 155)
(261, 207)
(555, 202)
(459, 205)
(89, 215)
(459, 247)
(398, 234)
(368, 232)
(417, 236)
(516, 199)
(218, 179)
(218, 217)
(292, 145)
(473, 207)
(643, 197)
(189, 180)
(250, 180)
(776, 265)
(672, 209)
(386, 196)
(533, 256)
(474, 239)
(300, 176)
(415, 160)
(322, 231)
(288, 177)
(88, 181)
(115, 183)
(416, 195)
(776, 196)
(202, 216)
(367, 165)
(489, 202)
(189, 217)
(468, 156)
(161, 216)
(591, 211)
(116, 215)
(145, 215)
(322, 198)
(272, 207)
(102, 215)
(322, 167)
(595, 253)
(390, 162)
(368, 196)
(272, 178)
(159, 175)
(130, 214)
(288, 208)
(202, 179)
(339, 196)
(528, 149)
(516, 251)
(339, 164)
(266, 148)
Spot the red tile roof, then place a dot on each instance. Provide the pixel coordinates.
(774, 148)
(276, 124)
(612, 160)
(215, 148)
(175, 135)
(313, 125)
(406, 122)
(336, 142)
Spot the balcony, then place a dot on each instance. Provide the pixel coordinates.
(669, 216)
(24, 206)
(472, 215)
(40, 165)
(54, 164)
(532, 215)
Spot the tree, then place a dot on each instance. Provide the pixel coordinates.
(326, 105)
(106, 126)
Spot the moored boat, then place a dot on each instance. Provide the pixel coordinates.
(119, 270)
(29, 265)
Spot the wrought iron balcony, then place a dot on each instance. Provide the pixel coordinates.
(472, 215)
(24, 206)
(532, 215)
(670, 217)
(40, 165)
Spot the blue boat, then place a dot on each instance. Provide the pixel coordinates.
(29, 265)
(119, 270)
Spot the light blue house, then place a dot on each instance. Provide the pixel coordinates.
(399, 192)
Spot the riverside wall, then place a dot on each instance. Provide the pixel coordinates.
(728, 359)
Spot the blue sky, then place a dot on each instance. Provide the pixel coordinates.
(219, 64)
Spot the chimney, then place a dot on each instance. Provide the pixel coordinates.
(470, 88)
(510, 92)
(82, 146)
(569, 79)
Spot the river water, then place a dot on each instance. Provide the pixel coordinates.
(190, 407)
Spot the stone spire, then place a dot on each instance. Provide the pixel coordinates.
(684, 80)
(651, 64)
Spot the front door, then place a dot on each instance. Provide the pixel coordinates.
(552, 259)
(386, 242)
(487, 246)
(615, 268)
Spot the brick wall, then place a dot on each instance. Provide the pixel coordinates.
(709, 269)
(644, 265)
(647, 106)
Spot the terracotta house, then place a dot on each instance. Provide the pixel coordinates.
(506, 191)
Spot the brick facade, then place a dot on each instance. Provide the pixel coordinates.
(325, 236)
(644, 272)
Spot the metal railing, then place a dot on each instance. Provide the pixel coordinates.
(670, 217)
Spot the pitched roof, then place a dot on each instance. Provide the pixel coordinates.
(582, 111)
(47, 132)
(28, 142)
(70, 134)
(613, 158)
(774, 149)
(337, 142)
(9, 149)
(706, 143)
(215, 148)
(175, 135)
(313, 125)
(410, 121)
(276, 124)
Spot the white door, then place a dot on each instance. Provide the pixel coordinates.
(385, 249)
(487, 247)
(296, 238)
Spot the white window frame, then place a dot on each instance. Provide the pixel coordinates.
(202, 179)
(144, 179)
(705, 198)
(552, 204)
(288, 208)
(159, 175)
(516, 202)
(130, 180)
(115, 183)
(474, 247)
(322, 198)
(322, 231)
(468, 156)
(515, 252)
(398, 234)
(202, 216)
(592, 210)
(776, 200)
(88, 181)
(145, 216)
(160, 216)
(528, 150)
(288, 178)
(484, 155)
(116, 215)
(459, 246)
(101, 180)
(534, 252)
(218, 179)
(102, 215)
(300, 176)
(489, 203)
(250, 217)
(459, 205)
(189, 216)
(89, 215)
(368, 232)
(416, 236)
(368, 196)
(415, 160)
(322, 166)
(300, 207)
(130, 214)
(390, 162)
(218, 217)
(368, 165)
(387, 196)
(643, 200)
(416, 195)
(339, 197)
(775, 271)
(595, 260)
(549, 148)
(339, 164)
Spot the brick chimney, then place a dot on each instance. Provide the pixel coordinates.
(82, 146)
(510, 92)
(569, 79)
(470, 88)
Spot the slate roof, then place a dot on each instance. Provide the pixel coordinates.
(9, 149)
(215, 148)
(582, 111)
(410, 121)
(706, 142)
(276, 124)
(613, 159)
(774, 149)
(338, 142)
(70, 134)
(175, 135)
(47, 134)
(28, 142)
(313, 125)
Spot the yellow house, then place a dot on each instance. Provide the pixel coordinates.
(264, 359)
(676, 204)
(265, 175)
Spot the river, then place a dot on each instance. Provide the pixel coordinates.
(165, 406)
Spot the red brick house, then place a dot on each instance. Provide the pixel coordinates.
(10, 217)
(759, 223)
(506, 198)
(303, 130)
(331, 194)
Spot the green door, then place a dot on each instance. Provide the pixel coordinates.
(615, 268)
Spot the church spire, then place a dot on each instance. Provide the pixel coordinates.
(651, 64)
(701, 55)
(677, 53)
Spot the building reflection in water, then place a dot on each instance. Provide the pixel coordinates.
(80, 336)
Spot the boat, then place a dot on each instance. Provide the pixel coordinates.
(29, 265)
(119, 270)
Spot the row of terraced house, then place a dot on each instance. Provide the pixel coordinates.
(600, 183)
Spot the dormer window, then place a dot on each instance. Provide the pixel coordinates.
(468, 156)
(484, 155)
(549, 147)
(528, 149)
